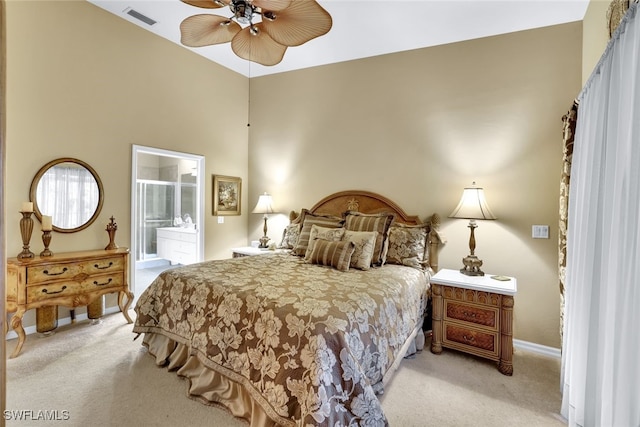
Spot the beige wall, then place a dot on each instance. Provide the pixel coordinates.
(595, 35)
(417, 127)
(83, 83)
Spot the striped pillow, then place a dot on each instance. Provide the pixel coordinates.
(332, 254)
(325, 233)
(380, 222)
(307, 219)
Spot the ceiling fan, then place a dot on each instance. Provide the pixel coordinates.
(271, 26)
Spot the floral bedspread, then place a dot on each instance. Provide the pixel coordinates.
(309, 343)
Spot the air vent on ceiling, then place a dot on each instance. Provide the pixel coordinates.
(139, 16)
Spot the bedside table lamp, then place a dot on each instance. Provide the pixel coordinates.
(472, 206)
(265, 207)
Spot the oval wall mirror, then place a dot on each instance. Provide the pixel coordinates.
(69, 191)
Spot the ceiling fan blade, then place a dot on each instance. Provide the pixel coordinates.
(272, 4)
(206, 30)
(257, 47)
(302, 21)
(207, 4)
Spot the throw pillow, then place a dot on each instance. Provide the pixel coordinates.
(333, 254)
(408, 245)
(380, 222)
(307, 219)
(325, 233)
(364, 242)
(290, 236)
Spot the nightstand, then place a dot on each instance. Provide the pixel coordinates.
(474, 314)
(250, 251)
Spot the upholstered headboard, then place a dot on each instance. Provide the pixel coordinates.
(368, 202)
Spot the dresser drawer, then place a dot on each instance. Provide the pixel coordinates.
(487, 317)
(106, 265)
(476, 341)
(47, 273)
(64, 288)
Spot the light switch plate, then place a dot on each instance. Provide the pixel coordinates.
(540, 231)
(220, 220)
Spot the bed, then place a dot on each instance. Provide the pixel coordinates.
(303, 336)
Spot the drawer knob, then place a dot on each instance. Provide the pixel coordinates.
(103, 268)
(95, 282)
(470, 314)
(468, 338)
(45, 291)
(55, 274)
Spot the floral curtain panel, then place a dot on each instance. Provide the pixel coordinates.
(568, 132)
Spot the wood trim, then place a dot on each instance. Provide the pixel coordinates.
(362, 201)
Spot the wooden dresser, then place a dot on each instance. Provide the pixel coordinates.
(68, 279)
(474, 314)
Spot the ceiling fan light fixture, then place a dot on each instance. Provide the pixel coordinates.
(269, 15)
(206, 30)
(280, 24)
(206, 4)
(243, 11)
(254, 44)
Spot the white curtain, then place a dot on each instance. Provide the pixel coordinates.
(601, 347)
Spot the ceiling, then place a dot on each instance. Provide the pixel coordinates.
(364, 28)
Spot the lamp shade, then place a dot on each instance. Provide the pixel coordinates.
(473, 205)
(264, 205)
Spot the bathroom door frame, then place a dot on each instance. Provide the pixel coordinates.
(199, 219)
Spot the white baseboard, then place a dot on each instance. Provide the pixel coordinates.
(537, 348)
(61, 322)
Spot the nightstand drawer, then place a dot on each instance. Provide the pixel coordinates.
(487, 317)
(475, 341)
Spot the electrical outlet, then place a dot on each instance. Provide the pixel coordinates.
(220, 220)
(540, 231)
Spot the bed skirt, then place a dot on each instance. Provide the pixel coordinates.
(213, 388)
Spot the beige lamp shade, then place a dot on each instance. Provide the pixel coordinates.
(473, 205)
(264, 205)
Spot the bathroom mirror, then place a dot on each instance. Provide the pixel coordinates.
(68, 190)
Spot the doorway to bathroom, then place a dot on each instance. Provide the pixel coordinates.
(167, 212)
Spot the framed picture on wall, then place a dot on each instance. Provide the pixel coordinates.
(227, 192)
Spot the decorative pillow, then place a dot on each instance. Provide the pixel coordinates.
(290, 236)
(307, 219)
(408, 245)
(325, 233)
(380, 222)
(364, 242)
(333, 254)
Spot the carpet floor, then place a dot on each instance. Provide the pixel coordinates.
(96, 375)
